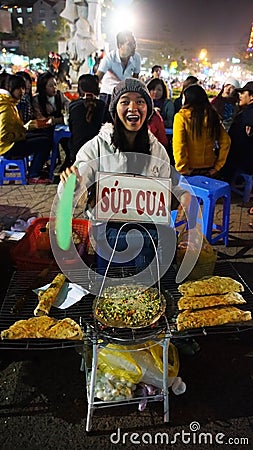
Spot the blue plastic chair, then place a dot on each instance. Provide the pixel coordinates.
(208, 191)
(242, 184)
(13, 170)
(60, 131)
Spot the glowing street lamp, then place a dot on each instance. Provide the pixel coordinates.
(203, 54)
(122, 18)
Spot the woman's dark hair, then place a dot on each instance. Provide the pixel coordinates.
(42, 81)
(197, 101)
(15, 82)
(155, 82)
(27, 77)
(89, 84)
(4, 78)
(141, 144)
(189, 81)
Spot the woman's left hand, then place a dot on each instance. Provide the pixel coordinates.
(66, 174)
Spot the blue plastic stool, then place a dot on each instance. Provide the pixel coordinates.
(242, 184)
(13, 170)
(208, 191)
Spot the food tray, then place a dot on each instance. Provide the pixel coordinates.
(25, 255)
(136, 301)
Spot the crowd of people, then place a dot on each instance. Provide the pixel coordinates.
(213, 138)
(120, 124)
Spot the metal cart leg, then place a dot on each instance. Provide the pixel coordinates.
(82, 365)
(91, 390)
(165, 378)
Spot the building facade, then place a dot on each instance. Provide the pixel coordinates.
(30, 12)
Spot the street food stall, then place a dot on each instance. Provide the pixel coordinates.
(65, 302)
(96, 335)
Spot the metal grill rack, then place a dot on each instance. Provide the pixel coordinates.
(82, 311)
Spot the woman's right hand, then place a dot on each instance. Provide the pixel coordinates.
(67, 172)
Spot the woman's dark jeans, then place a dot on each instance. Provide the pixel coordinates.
(37, 145)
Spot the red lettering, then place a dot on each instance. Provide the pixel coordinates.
(140, 194)
(150, 210)
(105, 203)
(126, 199)
(115, 208)
(161, 207)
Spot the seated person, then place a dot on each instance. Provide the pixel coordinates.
(240, 157)
(156, 125)
(200, 142)
(50, 103)
(86, 114)
(187, 82)
(226, 102)
(16, 142)
(25, 107)
(159, 93)
(117, 148)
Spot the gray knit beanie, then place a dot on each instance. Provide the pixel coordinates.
(130, 85)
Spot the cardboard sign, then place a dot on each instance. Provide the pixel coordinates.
(130, 198)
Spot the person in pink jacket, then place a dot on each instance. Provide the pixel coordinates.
(200, 141)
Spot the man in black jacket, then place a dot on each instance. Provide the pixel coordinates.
(86, 114)
(240, 156)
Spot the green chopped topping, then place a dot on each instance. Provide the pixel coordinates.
(131, 306)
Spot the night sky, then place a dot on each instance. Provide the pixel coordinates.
(220, 26)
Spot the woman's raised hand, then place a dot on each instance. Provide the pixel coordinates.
(68, 171)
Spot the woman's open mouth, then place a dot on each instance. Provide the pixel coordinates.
(133, 118)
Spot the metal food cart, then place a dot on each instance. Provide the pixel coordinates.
(96, 337)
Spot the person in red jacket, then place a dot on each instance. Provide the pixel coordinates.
(156, 125)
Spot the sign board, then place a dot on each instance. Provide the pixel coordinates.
(130, 198)
(5, 22)
(10, 43)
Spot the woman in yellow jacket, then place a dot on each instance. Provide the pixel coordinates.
(200, 141)
(15, 141)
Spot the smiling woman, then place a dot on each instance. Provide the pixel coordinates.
(126, 146)
(132, 111)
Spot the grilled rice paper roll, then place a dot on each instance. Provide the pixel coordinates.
(66, 329)
(205, 301)
(209, 317)
(44, 327)
(48, 297)
(30, 328)
(210, 285)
